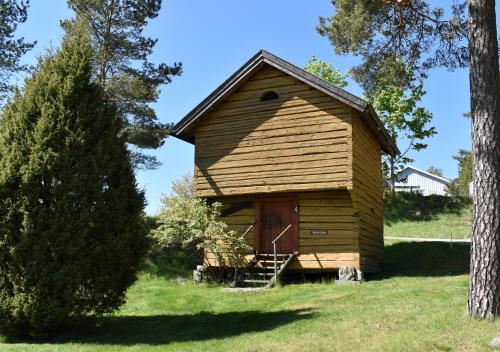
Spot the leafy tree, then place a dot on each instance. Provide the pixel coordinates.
(405, 122)
(453, 189)
(327, 72)
(12, 13)
(464, 159)
(71, 226)
(183, 218)
(386, 33)
(122, 68)
(398, 110)
(435, 171)
(193, 224)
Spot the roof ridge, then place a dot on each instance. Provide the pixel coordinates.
(426, 172)
(264, 56)
(307, 73)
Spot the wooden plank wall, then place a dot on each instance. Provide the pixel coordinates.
(238, 222)
(367, 195)
(332, 211)
(325, 210)
(298, 142)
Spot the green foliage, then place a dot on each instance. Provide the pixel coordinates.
(223, 243)
(388, 33)
(435, 171)
(464, 159)
(123, 70)
(72, 235)
(453, 188)
(12, 12)
(397, 107)
(415, 206)
(184, 218)
(170, 263)
(327, 72)
(406, 122)
(193, 224)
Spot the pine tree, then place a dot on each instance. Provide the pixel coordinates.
(71, 230)
(12, 13)
(424, 35)
(123, 69)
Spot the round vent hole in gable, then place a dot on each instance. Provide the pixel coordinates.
(268, 96)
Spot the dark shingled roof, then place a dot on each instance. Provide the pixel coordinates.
(367, 112)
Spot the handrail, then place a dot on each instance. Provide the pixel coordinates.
(247, 231)
(275, 254)
(281, 234)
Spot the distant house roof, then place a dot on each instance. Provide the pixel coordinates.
(445, 180)
(262, 57)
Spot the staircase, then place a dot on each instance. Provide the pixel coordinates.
(259, 273)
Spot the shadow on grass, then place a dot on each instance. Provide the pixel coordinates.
(164, 329)
(425, 259)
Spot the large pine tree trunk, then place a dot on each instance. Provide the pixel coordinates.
(484, 290)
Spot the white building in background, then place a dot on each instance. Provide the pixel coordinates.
(411, 179)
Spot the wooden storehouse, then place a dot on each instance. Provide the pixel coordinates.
(283, 149)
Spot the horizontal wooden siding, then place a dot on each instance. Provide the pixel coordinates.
(299, 142)
(329, 211)
(367, 194)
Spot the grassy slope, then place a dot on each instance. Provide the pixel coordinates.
(447, 225)
(419, 305)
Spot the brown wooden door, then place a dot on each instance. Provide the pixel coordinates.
(274, 216)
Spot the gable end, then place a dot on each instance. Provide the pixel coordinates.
(184, 128)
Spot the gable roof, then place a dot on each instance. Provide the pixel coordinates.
(370, 117)
(445, 180)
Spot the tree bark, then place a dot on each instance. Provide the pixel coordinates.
(484, 289)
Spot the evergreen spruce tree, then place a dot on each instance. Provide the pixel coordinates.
(71, 230)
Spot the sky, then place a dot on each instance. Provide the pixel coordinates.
(214, 38)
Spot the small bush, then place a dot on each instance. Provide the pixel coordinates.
(192, 225)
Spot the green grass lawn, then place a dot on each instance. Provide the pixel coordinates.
(419, 304)
(445, 225)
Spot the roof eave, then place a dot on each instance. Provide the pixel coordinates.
(314, 81)
(223, 89)
(445, 180)
(265, 57)
(387, 143)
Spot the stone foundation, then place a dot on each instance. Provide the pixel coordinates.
(349, 276)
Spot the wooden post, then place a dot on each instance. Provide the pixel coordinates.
(275, 263)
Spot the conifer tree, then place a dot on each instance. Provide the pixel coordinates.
(464, 159)
(71, 230)
(12, 13)
(424, 34)
(123, 69)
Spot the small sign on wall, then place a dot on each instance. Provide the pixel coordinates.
(318, 232)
